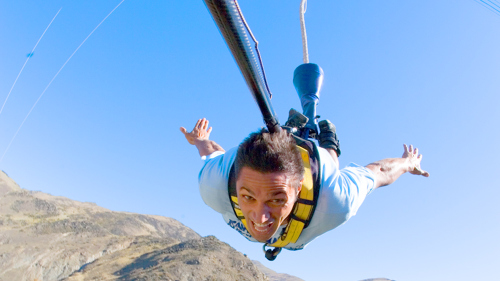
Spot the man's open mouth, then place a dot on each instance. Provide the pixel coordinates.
(262, 227)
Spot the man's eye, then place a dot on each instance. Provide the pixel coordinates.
(247, 197)
(278, 201)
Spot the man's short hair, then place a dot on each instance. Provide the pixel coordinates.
(266, 153)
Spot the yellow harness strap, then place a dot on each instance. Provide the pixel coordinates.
(302, 209)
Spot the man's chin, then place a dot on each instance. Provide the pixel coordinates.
(260, 238)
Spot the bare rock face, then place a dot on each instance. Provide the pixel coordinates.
(44, 237)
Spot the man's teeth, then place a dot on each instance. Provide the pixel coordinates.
(263, 226)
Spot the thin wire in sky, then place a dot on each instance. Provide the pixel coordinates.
(29, 56)
(491, 5)
(55, 78)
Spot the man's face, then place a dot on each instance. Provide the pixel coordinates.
(266, 200)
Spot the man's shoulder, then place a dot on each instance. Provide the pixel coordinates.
(213, 180)
(219, 162)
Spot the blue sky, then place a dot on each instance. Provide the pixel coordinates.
(418, 72)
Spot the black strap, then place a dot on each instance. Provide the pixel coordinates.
(305, 201)
(293, 216)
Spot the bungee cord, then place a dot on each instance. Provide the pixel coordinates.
(55, 78)
(256, 47)
(303, 8)
(29, 56)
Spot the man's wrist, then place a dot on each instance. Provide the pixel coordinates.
(206, 147)
(409, 165)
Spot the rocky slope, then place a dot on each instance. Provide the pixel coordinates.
(274, 276)
(147, 259)
(44, 237)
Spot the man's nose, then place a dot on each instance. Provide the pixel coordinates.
(262, 214)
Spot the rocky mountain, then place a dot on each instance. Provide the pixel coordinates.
(274, 276)
(157, 259)
(45, 237)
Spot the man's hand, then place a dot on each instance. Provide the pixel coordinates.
(199, 132)
(199, 137)
(413, 159)
(388, 170)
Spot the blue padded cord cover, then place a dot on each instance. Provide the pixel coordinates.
(308, 79)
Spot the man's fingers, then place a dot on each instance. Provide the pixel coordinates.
(407, 150)
(418, 171)
(209, 130)
(183, 130)
(406, 153)
(197, 124)
(424, 173)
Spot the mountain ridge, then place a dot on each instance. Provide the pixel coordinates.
(46, 237)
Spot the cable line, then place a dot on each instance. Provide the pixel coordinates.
(490, 5)
(55, 78)
(29, 56)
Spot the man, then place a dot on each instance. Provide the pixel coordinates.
(269, 176)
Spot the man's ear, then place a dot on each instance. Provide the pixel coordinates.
(300, 186)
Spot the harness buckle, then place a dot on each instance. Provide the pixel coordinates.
(271, 254)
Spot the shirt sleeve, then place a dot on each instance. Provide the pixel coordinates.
(356, 182)
(342, 192)
(213, 180)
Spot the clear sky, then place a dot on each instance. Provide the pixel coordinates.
(422, 72)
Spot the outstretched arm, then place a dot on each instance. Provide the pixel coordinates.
(389, 170)
(199, 137)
